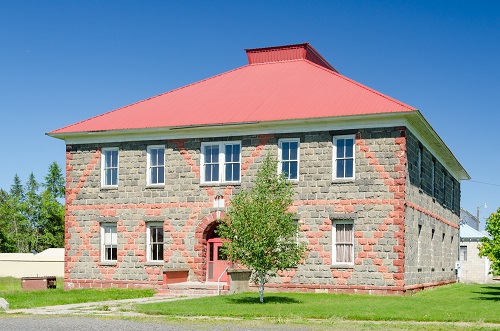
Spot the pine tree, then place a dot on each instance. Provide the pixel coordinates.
(54, 181)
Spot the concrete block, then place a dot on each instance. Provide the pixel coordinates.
(4, 304)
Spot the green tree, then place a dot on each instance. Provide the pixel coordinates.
(51, 222)
(52, 211)
(30, 219)
(490, 247)
(54, 181)
(260, 229)
(14, 211)
(6, 234)
(31, 209)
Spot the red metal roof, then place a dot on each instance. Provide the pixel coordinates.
(279, 83)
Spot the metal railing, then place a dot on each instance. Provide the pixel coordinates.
(218, 280)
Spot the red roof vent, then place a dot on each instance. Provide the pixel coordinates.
(287, 53)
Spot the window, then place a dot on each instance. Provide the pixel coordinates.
(109, 242)
(433, 178)
(343, 243)
(155, 241)
(109, 165)
(156, 165)
(420, 166)
(419, 243)
(220, 162)
(343, 154)
(463, 253)
(289, 158)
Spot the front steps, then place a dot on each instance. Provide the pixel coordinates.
(193, 289)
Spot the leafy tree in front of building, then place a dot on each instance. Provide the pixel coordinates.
(31, 217)
(490, 247)
(260, 229)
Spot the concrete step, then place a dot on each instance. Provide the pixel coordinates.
(193, 289)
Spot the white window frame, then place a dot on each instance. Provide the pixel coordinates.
(150, 167)
(343, 137)
(280, 157)
(104, 168)
(462, 256)
(221, 162)
(334, 242)
(113, 241)
(149, 243)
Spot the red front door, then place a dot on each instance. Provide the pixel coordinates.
(216, 261)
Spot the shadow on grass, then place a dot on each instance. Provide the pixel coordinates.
(267, 299)
(491, 293)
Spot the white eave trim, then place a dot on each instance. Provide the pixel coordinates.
(414, 121)
(235, 129)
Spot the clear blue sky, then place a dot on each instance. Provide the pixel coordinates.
(65, 61)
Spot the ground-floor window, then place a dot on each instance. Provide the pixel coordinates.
(343, 242)
(155, 241)
(109, 247)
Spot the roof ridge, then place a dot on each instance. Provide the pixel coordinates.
(150, 98)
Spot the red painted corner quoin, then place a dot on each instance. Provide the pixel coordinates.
(386, 223)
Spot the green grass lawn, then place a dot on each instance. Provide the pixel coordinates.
(10, 290)
(451, 303)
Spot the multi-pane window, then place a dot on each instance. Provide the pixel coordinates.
(420, 166)
(221, 162)
(156, 165)
(433, 177)
(232, 162)
(289, 158)
(343, 242)
(108, 242)
(463, 253)
(155, 242)
(343, 157)
(109, 175)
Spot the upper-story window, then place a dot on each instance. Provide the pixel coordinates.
(221, 162)
(343, 157)
(109, 166)
(156, 165)
(289, 158)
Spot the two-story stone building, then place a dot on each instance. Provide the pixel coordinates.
(377, 192)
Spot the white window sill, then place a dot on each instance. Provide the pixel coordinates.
(108, 263)
(343, 180)
(220, 184)
(153, 186)
(114, 187)
(342, 266)
(154, 263)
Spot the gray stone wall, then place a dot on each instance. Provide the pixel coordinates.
(430, 256)
(374, 201)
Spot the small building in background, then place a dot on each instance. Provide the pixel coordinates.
(469, 219)
(473, 269)
(50, 262)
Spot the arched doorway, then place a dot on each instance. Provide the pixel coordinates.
(216, 260)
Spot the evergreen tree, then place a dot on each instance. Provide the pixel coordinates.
(54, 181)
(30, 219)
(31, 209)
